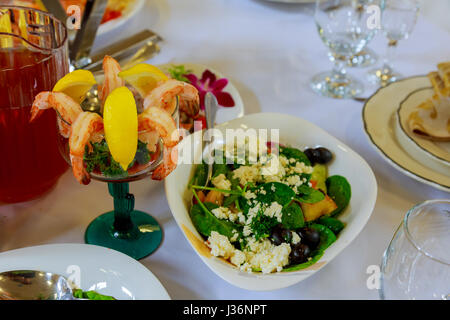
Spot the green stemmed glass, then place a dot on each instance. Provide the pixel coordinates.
(125, 229)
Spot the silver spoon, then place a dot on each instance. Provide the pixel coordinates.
(92, 102)
(34, 285)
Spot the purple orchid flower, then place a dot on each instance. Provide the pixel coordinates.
(210, 83)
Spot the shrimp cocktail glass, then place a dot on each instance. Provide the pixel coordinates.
(33, 56)
(119, 131)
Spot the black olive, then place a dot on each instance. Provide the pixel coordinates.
(309, 236)
(299, 253)
(277, 236)
(324, 155)
(287, 235)
(312, 155)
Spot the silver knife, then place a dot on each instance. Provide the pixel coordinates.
(81, 47)
(132, 50)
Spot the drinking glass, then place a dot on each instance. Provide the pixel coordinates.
(398, 21)
(33, 57)
(343, 27)
(416, 265)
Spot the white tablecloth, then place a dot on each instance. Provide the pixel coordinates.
(269, 51)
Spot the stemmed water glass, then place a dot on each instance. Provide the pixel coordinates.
(343, 27)
(398, 20)
(416, 265)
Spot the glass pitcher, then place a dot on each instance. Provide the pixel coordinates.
(33, 56)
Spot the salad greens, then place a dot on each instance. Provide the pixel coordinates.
(340, 191)
(301, 202)
(99, 159)
(178, 72)
(91, 295)
(205, 222)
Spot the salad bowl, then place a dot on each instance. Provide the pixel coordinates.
(293, 132)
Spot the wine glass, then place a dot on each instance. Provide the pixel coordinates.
(124, 229)
(343, 27)
(398, 20)
(416, 265)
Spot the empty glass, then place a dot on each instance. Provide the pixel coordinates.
(343, 27)
(398, 20)
(416, 265)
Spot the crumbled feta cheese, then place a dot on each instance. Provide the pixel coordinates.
(241, 218)
(221, 212)
(247, 231)
(272, 170)
(235, 236)
(250, 195)
(294, 180)
(267, 257)
(220, 245)
(284, 161)
(221, 182)
(246, 174)
(295, 238)
(300, 168)
(237, 258)
(274, 210)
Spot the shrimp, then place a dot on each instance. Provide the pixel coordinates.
(170, 160)
(159, 120)
(84, 127)
(64, 128)
(66, 107)
(163, 97)
(151, 138)
(111, 69)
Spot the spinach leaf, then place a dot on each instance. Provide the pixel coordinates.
(205, 222)
(266, 194)
(340, 191)
(327, 237)
(228, 201)
(309, 195)
(292, 217)
(274, 192)
(296, 154)
(333, 224)
(91, 295)
(200, 175)
(220, 169)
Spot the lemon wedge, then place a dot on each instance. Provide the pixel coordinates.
(120, 121)
(76, 84)
(143, 77)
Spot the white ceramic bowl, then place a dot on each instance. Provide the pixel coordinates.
(297, 133)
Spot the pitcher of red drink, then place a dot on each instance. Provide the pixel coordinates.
(33, 56)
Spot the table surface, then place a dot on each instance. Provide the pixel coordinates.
(269, 51)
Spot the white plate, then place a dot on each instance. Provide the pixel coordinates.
(380, 123)
(130, 12)
(297, 133)
(106, 271)
(224, 113)
(436, 151)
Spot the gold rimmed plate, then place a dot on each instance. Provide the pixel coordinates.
(382, 127)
